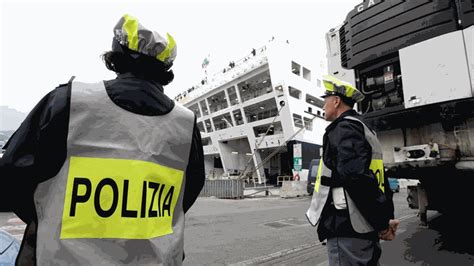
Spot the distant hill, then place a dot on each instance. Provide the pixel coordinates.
(4, 136)
(10, 119)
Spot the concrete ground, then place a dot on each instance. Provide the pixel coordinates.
(220, 232)
(274, 231)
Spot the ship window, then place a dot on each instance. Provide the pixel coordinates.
(206, 141)
(314, 101)
(261, 110)
(255, 86)
(195, 109)
(204, 108)
(318, 83)
(306, 74)
(222, 121)
(308, 124)
(272, 129)
(217, 102)
(238, 117)
(295, 68)
(201, 127)
(319, 113)
(232, 96)
(208, 125)
(297, 120)
(295, 93)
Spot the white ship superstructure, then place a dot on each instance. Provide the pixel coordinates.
(252, 112)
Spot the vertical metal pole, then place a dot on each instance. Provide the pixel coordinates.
(422, 204)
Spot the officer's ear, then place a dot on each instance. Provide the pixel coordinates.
(337, 101)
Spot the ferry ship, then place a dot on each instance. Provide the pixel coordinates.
(261, 117)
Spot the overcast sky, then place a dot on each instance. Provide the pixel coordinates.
(44, 43)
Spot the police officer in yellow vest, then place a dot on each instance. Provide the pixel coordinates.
(103, 173)
(352, 201)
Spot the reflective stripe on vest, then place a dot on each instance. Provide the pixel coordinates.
(376, 164)
(320, 195)
(321, 192)
(118, 197)
(105, 195)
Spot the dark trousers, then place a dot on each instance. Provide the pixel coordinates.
(353, 251)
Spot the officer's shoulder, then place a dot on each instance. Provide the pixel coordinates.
(351, 122)
(350, 125)
(65, 85)
(61, 87)
(60, 90)
(58, 95)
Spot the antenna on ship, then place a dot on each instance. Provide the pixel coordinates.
(205, 63)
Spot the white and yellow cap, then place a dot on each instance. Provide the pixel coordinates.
(131, 34)
(338, 87)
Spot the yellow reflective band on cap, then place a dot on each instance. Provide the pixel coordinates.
(336, 81)
(349, 91)
(376, 166)
(168, 49)
(131, 27)
(330, 82)
(328, 85)
(318, 176)
(118, 198)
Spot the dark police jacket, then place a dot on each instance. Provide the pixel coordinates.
(348, 154)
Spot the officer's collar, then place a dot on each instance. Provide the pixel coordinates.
(127, 75)
(350, 112)
(130, 75)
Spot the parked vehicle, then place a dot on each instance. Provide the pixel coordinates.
(394, 184)
(414, 62)
(9, 247)
(313, 171)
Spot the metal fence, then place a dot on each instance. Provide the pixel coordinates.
(223, 189)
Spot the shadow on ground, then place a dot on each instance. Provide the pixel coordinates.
(447, 241)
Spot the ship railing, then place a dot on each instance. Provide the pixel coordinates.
(270, 141)
(241, 67)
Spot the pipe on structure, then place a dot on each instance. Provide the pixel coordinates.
(465, 165)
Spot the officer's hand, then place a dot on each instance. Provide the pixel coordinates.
(390, 233)
(393, 225)
(387, 235)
